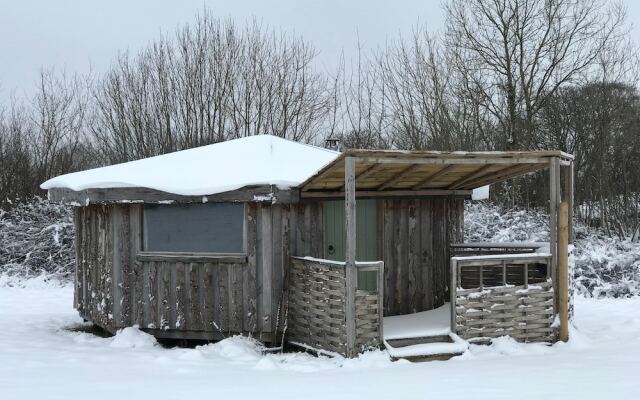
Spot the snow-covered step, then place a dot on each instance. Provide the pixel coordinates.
(441, 347)
(422, 336)
(421, 324)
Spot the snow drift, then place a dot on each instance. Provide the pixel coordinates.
(43, 359)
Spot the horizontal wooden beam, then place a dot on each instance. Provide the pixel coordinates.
(455, 154)
(261, 193)
(387, 193)
(512, 260)
(498, 245)
(230, 258)
(455, 161)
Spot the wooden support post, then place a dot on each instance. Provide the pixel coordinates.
(568, 187)
(380, 289)
(350, 253)
(563, 270)
(452, 293)
(554, 200)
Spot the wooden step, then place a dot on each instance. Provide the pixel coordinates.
(419, 340)
(433, 357)
(426, 348)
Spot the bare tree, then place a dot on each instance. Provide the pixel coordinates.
(359, 105)
(16, 180)
(57, 117)
(517, 53)
(41, 137)
(210, 83)
(427, 109)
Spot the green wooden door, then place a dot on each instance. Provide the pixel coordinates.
(366, 236)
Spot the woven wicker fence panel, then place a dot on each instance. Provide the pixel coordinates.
(524, 314)
(367, 320)
(316, 305)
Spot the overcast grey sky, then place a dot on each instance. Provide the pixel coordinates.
(78, 36)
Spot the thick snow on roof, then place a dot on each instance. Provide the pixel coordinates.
(216, 168)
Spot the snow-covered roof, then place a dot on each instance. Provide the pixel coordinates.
(216, 168)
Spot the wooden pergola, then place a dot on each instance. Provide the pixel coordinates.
(410, 174)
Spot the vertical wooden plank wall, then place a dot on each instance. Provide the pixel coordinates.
(78, 290)
(114, 289)
(283, 230)
(264, 254)
(105, 243)
(202, 300)
(133, 278)
(95, 286)
(416, 236)
(196, 300)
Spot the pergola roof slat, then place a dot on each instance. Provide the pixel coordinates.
(431, 177)
(398, 178)
(406, 171)
(516, 170)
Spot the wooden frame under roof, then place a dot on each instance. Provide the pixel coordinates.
(382, 173)
(372, 173)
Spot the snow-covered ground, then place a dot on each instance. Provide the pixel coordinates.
(40, 358)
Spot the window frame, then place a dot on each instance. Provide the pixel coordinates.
(192, 256)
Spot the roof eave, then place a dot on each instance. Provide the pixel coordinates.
(129, 195)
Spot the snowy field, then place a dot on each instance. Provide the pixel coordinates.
(40, 358)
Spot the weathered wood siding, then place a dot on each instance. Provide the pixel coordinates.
(218, 298)
(415, 248)
(307, 229)
(283, 230)
(115, 287)
(105, 237)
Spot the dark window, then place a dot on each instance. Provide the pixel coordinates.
(194, 228)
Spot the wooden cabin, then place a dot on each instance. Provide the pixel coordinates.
(280, 240)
